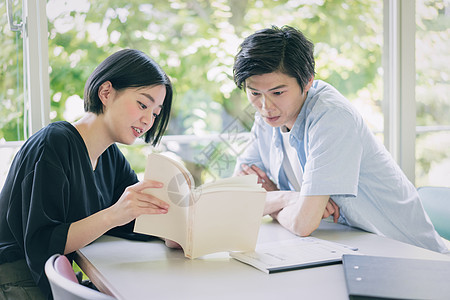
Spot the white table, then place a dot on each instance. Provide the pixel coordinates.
(149, 270)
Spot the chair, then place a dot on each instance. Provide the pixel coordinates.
(64, 283)
(436, 202)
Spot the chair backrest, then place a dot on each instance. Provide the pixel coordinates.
(436, 202)
(62, 266)
(64, 283)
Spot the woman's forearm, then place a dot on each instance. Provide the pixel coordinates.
(133, 203)
(87, 230)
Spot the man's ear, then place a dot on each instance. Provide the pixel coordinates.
(105, 91)
(308, 85)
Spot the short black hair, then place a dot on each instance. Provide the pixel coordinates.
(130, 68)
(274, 49)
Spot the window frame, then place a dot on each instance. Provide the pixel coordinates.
(36, 65)
(34, 31)
(399, 83)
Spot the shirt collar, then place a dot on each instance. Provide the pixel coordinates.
(298, 129)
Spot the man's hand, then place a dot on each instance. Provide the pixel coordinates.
(331, 209)
(265, 181)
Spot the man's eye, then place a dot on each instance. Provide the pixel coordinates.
(155, 116)
(278, 93)
(255, 94)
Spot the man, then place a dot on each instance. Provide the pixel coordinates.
(312, 144)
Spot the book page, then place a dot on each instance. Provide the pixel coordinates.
(227, 221)
(176, 192)
(247, 182)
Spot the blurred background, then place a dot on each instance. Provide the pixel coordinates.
(195, 42)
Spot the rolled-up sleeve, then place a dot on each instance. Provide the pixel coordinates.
(333, 154)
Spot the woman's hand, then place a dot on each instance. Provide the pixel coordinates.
(172, 244)
(265, 181)
(134, 202)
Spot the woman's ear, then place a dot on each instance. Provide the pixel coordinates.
(105, 91)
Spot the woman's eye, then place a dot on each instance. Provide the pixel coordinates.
(155, 116)
(255, 94)
(142, 105)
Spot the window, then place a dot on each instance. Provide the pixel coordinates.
(433, 92)
(12, 125)
(12, 121)
(195, 42)
(24, 73)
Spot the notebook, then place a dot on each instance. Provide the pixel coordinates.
(374, 277)
(297, 253)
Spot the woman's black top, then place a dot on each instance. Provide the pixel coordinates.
(51, 183)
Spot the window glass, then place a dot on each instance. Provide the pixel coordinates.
(11, 77)
(433, 93)
(12, 124)
(195, 42)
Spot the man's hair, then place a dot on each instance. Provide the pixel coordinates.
(284, 49)
(130, 68)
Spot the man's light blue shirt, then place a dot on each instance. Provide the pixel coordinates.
(342, 158)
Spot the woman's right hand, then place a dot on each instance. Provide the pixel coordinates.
(134, 202)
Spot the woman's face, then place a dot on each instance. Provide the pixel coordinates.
(131, 112)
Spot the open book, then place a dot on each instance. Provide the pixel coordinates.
(224, 215)
(297, 253)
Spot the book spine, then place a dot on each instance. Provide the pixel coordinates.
(190, 227)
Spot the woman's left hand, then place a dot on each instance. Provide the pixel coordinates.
(135, 202)
(172, 244)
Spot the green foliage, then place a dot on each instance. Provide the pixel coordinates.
(433, 68)
(11, 83)
(195, 42)
(433, 92)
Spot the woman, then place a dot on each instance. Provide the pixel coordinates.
(69, 183)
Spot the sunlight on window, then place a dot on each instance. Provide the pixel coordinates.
(195, 43)
(433, 93)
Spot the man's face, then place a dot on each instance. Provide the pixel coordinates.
(277, 97)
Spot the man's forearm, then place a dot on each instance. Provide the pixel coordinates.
(277, 200)
(303, 216)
